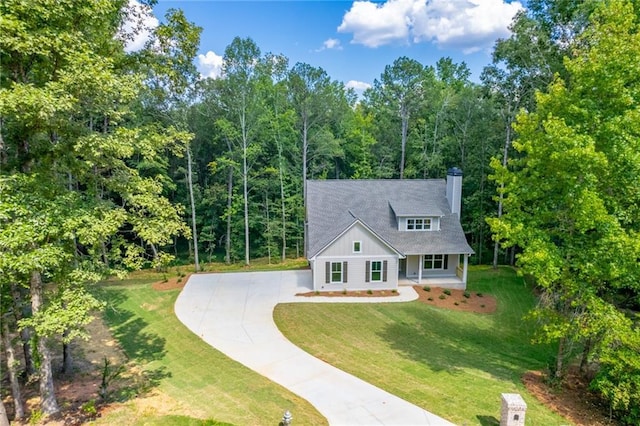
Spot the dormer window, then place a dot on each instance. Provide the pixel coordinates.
(419, 224)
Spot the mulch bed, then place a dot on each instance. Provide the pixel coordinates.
(476, 302)
(340, 293)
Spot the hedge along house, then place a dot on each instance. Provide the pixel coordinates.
(375, 234)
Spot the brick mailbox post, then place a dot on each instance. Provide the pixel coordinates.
(513, 410)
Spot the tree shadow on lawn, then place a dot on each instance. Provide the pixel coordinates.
(434, 338)
(128, 328)
(488, 421)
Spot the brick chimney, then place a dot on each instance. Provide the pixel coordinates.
(454, 189)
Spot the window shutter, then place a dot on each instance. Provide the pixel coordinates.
(327, 273)
(384, 271)
(344, 272)
(366, 272)
(446, 261)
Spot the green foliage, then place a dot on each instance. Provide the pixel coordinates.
(578, 237)
(447, 291)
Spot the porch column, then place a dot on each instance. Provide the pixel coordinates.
(420, 262)
(464, 269)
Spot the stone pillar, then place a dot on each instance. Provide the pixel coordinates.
(513, 410)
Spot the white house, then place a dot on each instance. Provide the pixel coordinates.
(373, 234)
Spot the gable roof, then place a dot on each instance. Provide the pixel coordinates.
(333, 205)
(356, 221)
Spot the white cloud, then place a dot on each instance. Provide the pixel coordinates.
(137, 29)
(357, 85)
(332, 43)
(469, 25)
(210, 65)
(374, 25)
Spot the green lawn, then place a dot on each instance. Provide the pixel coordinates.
(179, 364)
(453, 364)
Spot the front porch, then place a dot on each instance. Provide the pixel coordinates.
(445, 270)
(454, 283)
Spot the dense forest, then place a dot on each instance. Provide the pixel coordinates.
(113, 161)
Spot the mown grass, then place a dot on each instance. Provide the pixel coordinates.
(203, 383)
(454, 364)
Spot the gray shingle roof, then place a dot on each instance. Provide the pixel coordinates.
(333, 205)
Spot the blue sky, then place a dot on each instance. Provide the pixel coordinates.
(352, 41)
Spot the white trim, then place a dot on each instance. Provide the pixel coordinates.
(421, 221)
(331, 281)
(381, 271)
(433, 261)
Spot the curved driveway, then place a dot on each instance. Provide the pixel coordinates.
(233, 312)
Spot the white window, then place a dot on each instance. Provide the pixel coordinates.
(336, 272)
(419, 224)
(376, 270)
(357, 247)
(435, 261)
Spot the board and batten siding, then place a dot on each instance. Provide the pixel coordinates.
(341, 250)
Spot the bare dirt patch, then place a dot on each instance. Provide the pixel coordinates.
(171, 283)
(457, 300)
(572, 400)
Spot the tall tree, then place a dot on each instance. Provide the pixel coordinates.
(69, 199)
(241, 68)
(315, 98)
(571, 198)
(400, 92)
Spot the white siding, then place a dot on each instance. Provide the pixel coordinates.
(341, 250)
(370, 244)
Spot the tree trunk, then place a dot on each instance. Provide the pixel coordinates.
(194, 229)
(559, 373)
(505, 157)
(245, 194)
(13, 373)
(48, 402)
(4, 420)
(22, 310)
(227, 243)
(67, 360)
(584, 361)
(404, 115)
(284, 216)
(266, 204)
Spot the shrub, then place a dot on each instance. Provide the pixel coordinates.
(317, 292)
(89, 407)
(430, 299)
(466, 294)
(426, 288)
(442, 297)
(369, 291)
(479, 294)
(447, 291)
(456, 303)
(179, 280)
(344, 291)
(482, 306)
(394, 291)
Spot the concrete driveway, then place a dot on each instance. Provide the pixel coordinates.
(234, 314)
